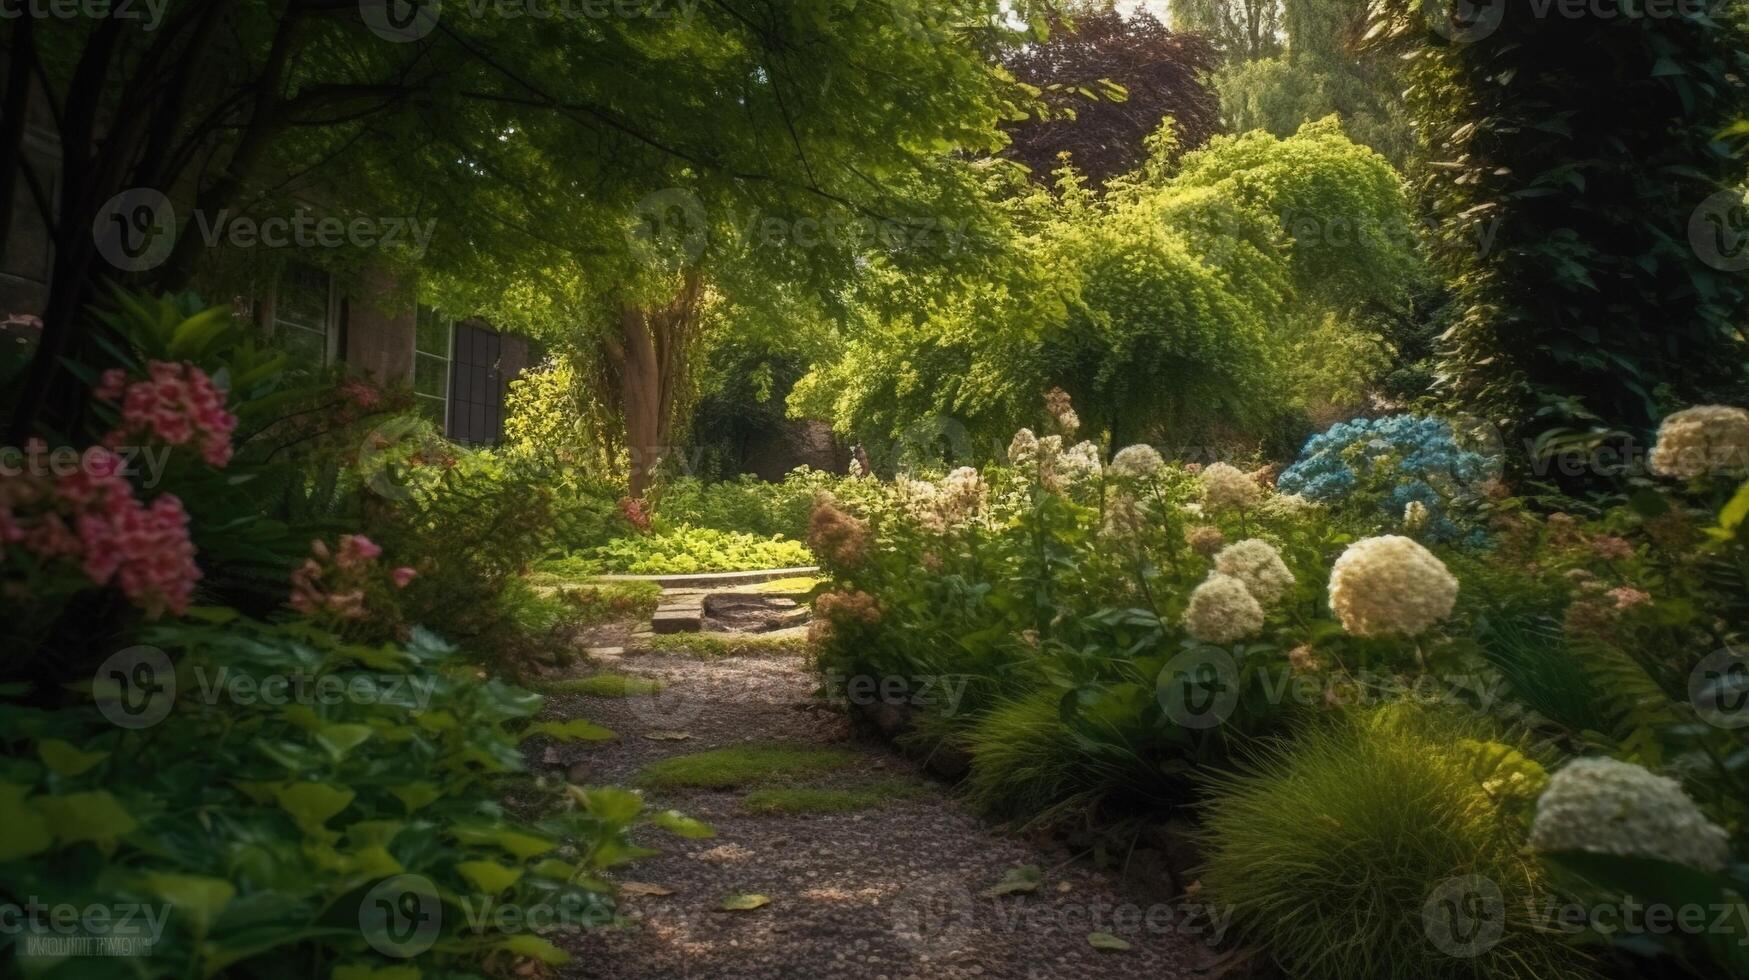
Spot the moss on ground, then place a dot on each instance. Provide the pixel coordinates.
(604, 686)
(742, 765)
(713, 646)
(791, 801)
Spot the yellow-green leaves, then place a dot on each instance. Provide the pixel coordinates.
(26, 831)
(64, 759)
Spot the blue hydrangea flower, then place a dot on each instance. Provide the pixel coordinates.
(1398, 459)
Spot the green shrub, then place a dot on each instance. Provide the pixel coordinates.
(1330, 849)
(687, 550)
(264, 825)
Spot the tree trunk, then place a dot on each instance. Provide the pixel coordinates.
(652, 350)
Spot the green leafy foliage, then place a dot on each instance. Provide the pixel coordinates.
(1569, 224)
(688, 550)
(261, 822)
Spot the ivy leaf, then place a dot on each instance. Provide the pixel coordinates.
(744, 903)
(489, 877)
(611, 805)
(65, 759)
(681, 825)
(27, 832)
(1018, 881)
(535, 948)
(96, 817)
(200, 897)
(1107, 941)
(312, 805)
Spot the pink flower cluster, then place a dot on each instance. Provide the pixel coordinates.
(177, 403)
(333, 581)
(633, 510)
(92, 516)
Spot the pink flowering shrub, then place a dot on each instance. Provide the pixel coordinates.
(345, 584)
(176, 404)
(91, 519)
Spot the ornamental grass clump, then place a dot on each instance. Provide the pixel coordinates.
(1343, 853)
(1391, 586)
(1606, 806)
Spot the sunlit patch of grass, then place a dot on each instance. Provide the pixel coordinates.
(713, 646)
(800, 586)
(604, 686)
(792, 801)
(742, 765)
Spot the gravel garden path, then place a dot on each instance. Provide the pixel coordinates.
(895, 884)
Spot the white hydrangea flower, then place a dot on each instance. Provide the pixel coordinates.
(1079, 463)
(921, 502)
(1286, 506)
(962, 495)
(1606, 806)
(1023, 450)
(1391, 585)
(1415, 516)
(1069, 421)
(1223, 611)
(1140, 462)
(1702, 441)
(1257, 564)
(1227, 487)
(1125, 516)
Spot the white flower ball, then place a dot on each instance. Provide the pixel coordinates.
(1023, 451)
(1227, 487)
(1702, 441)
(1415, 516)
(1286, 506)
(962, 494)
(1141, 462)
(1606, 806)
(1080, 463)
(1390, 586)
(1223, 611)
(1257, 564)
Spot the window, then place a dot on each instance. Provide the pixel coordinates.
(433, 340)
(476, 409)
(303, 322)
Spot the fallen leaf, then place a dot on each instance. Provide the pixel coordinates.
(642, 888)
(1105, 940)
(744, 903)
(1018, 881)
